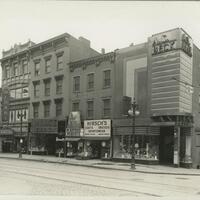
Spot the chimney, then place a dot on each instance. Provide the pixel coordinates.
(84, 41)
(102, 51)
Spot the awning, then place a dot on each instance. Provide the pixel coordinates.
(96, 138)
(67, 139)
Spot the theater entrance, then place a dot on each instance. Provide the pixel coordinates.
(166, 147)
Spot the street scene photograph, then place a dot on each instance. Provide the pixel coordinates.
(99, 100)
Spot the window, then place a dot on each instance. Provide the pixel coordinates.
(25, 92)
(15, 70)
(47, 65)
(19, 93)
(75, 106)
(35, 111)
(106, 108)
(7, 72)
(47, 109)
(59, 62)
(59, 83)
(90, 81)
(37, 68)
(58, 108)
(106, 78)
(47, 88)
(76, 84)
(36, 89)
(90, 109)
(24, 67)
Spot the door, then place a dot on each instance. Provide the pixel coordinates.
(166, 148)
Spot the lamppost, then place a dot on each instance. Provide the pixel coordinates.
(133, 112)
(21, 140)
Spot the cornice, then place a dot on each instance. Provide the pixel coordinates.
(97, 60)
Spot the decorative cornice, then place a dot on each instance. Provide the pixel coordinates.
(97, 60)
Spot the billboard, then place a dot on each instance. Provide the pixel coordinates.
(97, 128)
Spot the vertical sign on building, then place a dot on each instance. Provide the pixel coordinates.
(5, 104)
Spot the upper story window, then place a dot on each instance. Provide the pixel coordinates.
(59, 61)
(106, 78)
(36, 86)
(24, 67)
(59, 83)
(35, 111)
(47, 109)
(37, 68)
(58, 108)
(47, 87)
(48, 65)
(90, 109)
(75, 106)
(90, 81)
(15, 70)
(7, 72)
(106, 108)
(76, 84)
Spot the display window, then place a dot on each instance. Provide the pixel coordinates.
(146, 147)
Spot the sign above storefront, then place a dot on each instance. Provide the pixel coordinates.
(163, 45)
(97, 128)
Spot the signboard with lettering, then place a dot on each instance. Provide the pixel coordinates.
(167, 41)
(97, 128)
(74, 124)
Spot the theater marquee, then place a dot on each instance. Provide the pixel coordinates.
(97, 128)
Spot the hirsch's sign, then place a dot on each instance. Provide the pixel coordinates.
(97, 128)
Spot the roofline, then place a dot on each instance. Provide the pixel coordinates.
(90, 58)
(50, 40)
(172, 30)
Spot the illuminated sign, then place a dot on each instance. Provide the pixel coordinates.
(97, 128)
(163, 45)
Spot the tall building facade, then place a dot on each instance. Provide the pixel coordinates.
(34, 87)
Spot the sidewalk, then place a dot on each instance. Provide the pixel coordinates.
(152, 169)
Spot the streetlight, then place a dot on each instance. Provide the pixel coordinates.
(21, 140)
(133, 112)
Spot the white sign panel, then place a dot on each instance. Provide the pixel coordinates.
(97, 128)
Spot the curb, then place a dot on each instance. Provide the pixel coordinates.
(100, 167)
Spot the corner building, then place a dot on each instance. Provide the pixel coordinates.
(163, 76)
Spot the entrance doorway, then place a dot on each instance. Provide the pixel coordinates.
(166, 147)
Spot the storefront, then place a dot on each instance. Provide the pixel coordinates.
(6, 140)
(96, 140)
(43, 136)
(146, 143)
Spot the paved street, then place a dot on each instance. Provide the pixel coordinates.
(20, 177)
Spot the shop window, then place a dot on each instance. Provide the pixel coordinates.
(107, 78)
(146, 147)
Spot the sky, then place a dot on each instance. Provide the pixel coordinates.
(107, 24)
